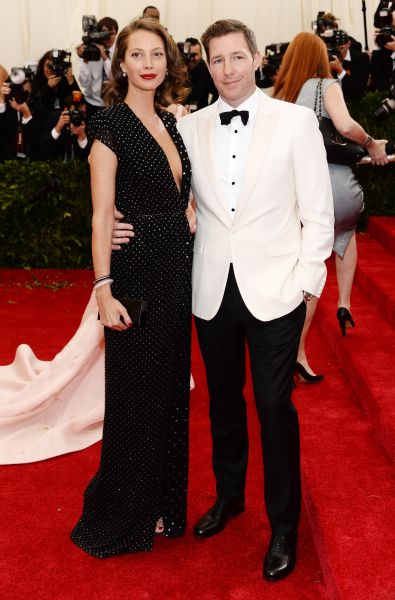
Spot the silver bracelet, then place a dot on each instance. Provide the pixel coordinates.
(103, 282)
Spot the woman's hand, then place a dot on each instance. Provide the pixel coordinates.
(53, 81)
(69, 76)
(111, 310)
(377, 152)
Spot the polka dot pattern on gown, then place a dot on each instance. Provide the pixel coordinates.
(143, 467)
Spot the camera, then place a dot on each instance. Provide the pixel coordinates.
(18, 76)
(185, 50)
(383, 18)
(60, 62)
(274, 54)
(77, 115)
(388, 104)
(92, 36)
(334, 38)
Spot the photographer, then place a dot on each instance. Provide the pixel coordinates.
(20, 122)
(93, 74)
(64, 133)
(203, 90)
(351, 67)
(382, 71)
(54, 80)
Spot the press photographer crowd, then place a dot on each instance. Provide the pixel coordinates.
(45, 107)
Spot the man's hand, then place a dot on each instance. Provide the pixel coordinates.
(121, 233)
(336, 65)
(64, 120)
(80, 50)
(54, 80)
(391, 45)
(103, 54)
(5, 91)
(79, 131)
(22, 108)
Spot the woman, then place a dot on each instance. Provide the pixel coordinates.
(304, 64)
(51, 89)
(138, 162)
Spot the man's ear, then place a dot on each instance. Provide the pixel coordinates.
(257, 60)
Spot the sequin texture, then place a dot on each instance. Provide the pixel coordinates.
(143, 467)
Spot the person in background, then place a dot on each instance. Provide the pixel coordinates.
(304, 65)
(64, 135)
(21, 122)
(93, 74)
(50, 89)
(151, 12)
(203, 90)
(382, 64)
(351, 67)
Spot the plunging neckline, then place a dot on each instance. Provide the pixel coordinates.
(179, 189)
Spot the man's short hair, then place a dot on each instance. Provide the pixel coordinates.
(148, 7)
(193, 42)
(225, 26)
(109, 23)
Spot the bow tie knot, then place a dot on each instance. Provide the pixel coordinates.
(226, 117)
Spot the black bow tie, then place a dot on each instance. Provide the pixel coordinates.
(226, 117)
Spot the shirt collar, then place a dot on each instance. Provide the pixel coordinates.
(251, 104)
(348, 55)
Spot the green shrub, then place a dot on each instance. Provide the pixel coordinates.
(48, 229)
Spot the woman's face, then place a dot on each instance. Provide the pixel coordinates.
(47, 68)
(145, 60)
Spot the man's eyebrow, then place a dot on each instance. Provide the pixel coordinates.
(232, 53)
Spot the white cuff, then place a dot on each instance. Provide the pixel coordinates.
(2, 107)
(55, 134)
(342, 75)
(82, 143)
(26, 120)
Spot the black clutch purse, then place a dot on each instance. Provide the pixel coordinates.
(339, 150)
(137, 310)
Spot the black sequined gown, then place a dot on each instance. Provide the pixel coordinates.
(143, 468)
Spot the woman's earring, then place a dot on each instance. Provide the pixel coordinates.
(167, 73)
(124, 74)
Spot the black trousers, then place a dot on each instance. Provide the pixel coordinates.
(273, 347)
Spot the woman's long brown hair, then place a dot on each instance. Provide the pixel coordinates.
(305, 57)
(174, 88)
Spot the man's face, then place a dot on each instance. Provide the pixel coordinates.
(152, 13)
(233, 67)
(110, 41)
(195, 53)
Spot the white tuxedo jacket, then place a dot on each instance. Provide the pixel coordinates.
(286, 184)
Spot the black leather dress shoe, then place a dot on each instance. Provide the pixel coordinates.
(281, 556)
(215, 519)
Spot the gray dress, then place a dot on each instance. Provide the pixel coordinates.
(347, 193)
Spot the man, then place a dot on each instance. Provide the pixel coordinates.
(94, 74)
(259, 170)
(151, 12)
(63, 138)
(202, 86)
(350, 67)
(382, 65)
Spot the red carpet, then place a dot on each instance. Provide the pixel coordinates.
(347, 435)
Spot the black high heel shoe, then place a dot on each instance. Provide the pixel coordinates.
(344, 316)
(305, 376)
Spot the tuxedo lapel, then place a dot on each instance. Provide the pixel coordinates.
(262, 138)
(206, 129)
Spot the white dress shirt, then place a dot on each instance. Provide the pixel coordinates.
(90, 76)
(231, 147)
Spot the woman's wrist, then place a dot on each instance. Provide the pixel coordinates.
(368, 142)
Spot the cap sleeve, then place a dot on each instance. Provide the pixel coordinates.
(100, 128)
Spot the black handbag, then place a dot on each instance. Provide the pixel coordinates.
(339, 150)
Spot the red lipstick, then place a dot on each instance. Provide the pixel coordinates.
(148, 76)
